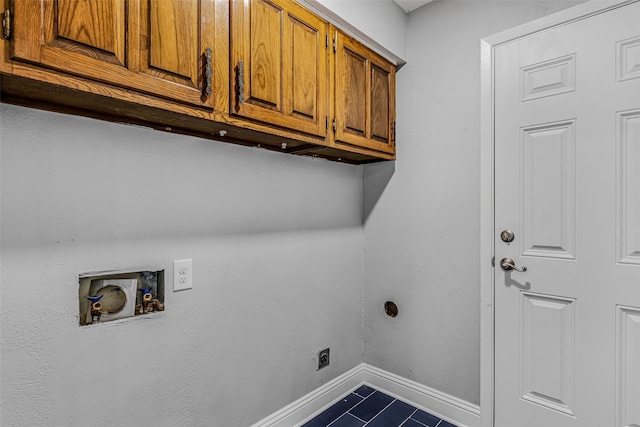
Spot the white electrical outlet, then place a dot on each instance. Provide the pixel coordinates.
(182, 274)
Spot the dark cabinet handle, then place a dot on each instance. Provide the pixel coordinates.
(207, 73)
(241, 82)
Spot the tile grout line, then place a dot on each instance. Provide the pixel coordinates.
(359, 403)
(347, 411)
(357, 418)
(409, 417)
(383, 409)
(423, 424)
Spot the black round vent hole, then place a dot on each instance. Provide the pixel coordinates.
(391, 309)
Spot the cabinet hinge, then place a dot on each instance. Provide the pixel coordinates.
(6, 24)
(326, 122)
(335, 125)
(335, 45)
(326, 39)
(393, 133)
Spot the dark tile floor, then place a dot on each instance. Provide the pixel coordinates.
(366, 406)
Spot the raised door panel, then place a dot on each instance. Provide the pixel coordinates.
(93, 31)
(156, 47)
(306, 74)
(549, 190)
(95, 25)
(173, 40)
(172, 46)
(547, 351)
(355, 94)
(381, 119)
(364, 97)
(279, 65)
(627, 367)
(628, 183)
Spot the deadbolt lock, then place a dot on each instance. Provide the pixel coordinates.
(507, 236)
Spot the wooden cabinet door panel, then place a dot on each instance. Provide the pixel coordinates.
(280, 69)
(155, 47)
(173, 41)
(264, 79)
(168, 45)
(305, 76)
(92, 27)
(381, 119)
(364, 97)
(354, 89)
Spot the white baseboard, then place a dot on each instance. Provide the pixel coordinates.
(314, 402)
(450, 408)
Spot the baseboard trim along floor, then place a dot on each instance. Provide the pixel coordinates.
(450, 408)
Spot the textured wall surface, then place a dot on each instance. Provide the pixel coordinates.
(423, 211)
(277, 245)
(276, 242)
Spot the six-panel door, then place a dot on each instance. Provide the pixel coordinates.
(155, 47)
(567, 183)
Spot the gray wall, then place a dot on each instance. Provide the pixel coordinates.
(422, 212)
(382, 20)
(276, 243)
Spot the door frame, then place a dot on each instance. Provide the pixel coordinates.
(487, 182)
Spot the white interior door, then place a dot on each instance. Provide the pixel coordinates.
(567, 184)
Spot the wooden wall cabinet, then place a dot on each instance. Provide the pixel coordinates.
(255, 72)
(161, 48)
(364, 97)
(280, 65)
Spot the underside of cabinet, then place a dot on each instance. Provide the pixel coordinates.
(35, 94)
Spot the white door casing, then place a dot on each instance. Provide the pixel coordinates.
(561, 130)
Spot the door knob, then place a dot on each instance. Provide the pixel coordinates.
(507, 236)
(507, 264)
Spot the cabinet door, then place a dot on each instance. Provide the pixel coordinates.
(364, 97)
(150, 46)
(279, 65)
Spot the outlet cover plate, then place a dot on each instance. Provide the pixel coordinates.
(323, 358)
(182, 274)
